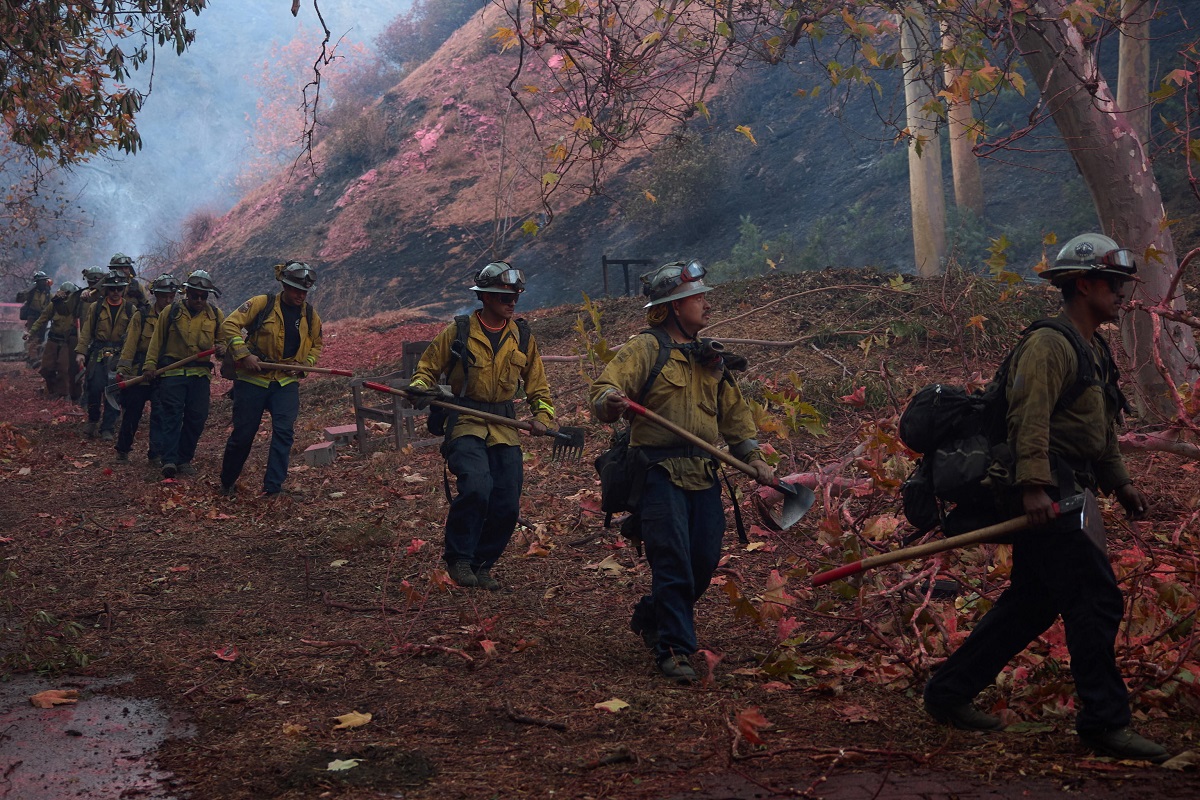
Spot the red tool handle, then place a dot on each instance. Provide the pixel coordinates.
(922, 550)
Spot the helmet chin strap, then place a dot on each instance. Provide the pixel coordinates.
(673, 321)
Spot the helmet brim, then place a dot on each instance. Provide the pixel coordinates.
(682, 291)
(496, 289)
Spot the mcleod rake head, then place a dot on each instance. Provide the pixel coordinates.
(568, 444)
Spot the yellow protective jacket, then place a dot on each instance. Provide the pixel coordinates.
(137, 340)
(36, 301)
(104, 323)
(1085, 432)
(179, 334)
(491, 378)
(267, 341)
(60, 317)
(696, 398)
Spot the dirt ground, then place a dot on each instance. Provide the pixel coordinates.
(263, 621)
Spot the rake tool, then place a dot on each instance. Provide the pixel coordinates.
(111, 389)
(797, 500)
(269, 365)
(1078, 512)
(568, 441)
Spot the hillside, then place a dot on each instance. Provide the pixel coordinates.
(439, 175)
(259, 622)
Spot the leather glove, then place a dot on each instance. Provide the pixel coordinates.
(615, 404)
(1135, 503)
(421, 396)
(763, 473)
(150, 375)
(80, 360)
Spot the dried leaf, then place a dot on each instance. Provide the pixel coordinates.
(416, 545)
(749, 723)
(227, 653)
(613, 706)
(609, 566)
(488, 646)
(54, 697)
(339, 764)
(293, 729)
(352, 720)
(340, 562)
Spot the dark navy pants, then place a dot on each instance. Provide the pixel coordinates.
(1053, 574)
(98, 408)
(184, 401)
(133, 404)
(249, 403)
(681, 532)
(483, 513)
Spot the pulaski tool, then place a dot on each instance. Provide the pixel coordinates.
(1079, 512)
(110, 391)
(797, 500)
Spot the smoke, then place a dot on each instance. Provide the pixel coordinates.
(196, 127)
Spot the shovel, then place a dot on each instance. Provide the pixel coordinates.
(568, 442)
(1079, 512)
(797, 500)
(111, 389)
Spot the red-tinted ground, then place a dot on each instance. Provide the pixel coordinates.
(264, 620)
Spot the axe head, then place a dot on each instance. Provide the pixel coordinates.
(1081, 512)
(110, 396)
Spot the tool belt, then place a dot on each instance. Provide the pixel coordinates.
(58, 338)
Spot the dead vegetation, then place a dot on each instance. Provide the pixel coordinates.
(267, 620)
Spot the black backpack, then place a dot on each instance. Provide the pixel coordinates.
(622, 469)
(963, 439)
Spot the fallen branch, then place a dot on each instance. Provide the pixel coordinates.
(1163, 442)
(618, 756)
(527, 720)
(417, 649)
(337, 643)
(363, 609)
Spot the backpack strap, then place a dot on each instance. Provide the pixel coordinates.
(1086, 374)
(665, 345)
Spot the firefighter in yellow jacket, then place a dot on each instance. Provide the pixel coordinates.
(133, 354)
(189, 326)
(102, 333)
(485, 356)
(281, 328)
(57, 320)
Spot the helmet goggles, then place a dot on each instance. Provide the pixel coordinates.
(298, 275)
(499, 276)
(674, 281)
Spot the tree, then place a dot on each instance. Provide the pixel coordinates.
(925, 188)
(62, 65)
(625, 71)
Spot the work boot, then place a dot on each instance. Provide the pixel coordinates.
(648, 633)
(123, 456)
(964, 716)
(186, 469)
(484, 579)
(678, 669)
(228, 490)
(169, 470)
(106, 436)
(1125, 744)
(462, 574)
(154, 462)
(89, 430)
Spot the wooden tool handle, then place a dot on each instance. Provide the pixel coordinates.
(345, 373)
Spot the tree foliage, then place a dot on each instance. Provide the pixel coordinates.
(62, 67)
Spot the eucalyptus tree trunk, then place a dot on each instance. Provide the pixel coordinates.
(1133, 69)
(1112, 159)
(926, 193)
(964, 165)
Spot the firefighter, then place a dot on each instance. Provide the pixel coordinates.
(57, 323)
(133, 354)
(185, 328)
(100, 339)
(124, 264)
(281, 328)
(484, 355)
(33, 302)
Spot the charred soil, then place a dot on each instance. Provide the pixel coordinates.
(267, 619)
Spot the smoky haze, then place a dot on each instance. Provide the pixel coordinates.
(197, 126)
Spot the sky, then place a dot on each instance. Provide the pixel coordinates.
(196, 125)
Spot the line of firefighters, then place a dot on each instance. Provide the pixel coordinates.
(156, 347)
